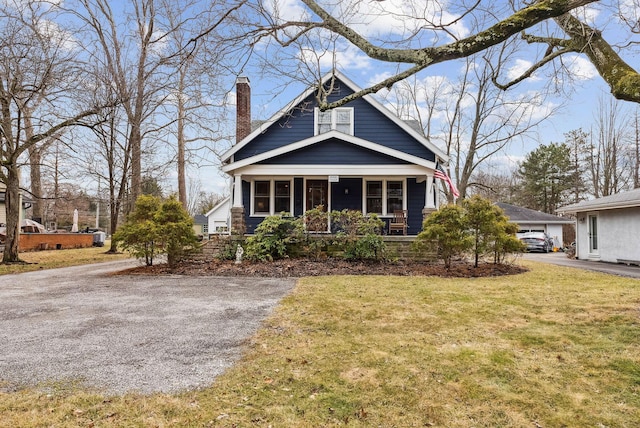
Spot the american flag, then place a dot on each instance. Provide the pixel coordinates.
(439, 173)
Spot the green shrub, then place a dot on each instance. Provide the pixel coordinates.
(366, 247)
(176, 227)
(477, 227)
(446, 233)
(155, 227)
(274, 238)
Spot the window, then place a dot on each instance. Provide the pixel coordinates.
(394, 196)
(384, 196)
(283, 197)
(205, 228)
(261, 197)
(374, 197)
(337, 119)
(271, 197)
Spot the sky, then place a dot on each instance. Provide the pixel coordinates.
(575, 107)
(386, 22)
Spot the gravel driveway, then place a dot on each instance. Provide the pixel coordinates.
(127, 333)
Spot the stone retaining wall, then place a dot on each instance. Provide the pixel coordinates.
(398, 248)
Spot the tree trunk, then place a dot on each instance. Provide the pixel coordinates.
(35, 160)
(12, 203)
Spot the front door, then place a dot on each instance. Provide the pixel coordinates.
(593, 234)
(317, 194)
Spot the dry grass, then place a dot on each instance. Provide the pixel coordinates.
(50, 259)
(555, 347)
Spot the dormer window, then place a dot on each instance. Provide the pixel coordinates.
(337, 119)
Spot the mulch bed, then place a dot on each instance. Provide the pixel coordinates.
(301, 267)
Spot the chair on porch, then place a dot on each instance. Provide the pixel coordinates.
(398, 222)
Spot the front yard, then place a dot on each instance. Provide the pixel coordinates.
(547, 348)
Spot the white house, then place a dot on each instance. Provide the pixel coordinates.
(218, 217)
(608, 228)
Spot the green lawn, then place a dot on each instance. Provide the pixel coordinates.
(555, 347)
(50, 259)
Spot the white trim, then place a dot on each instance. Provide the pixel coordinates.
(322, 137)
(218, 205)
(416, 135)
(342, 170)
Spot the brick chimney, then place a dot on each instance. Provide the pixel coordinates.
(243, 108)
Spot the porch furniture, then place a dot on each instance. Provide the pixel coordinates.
(398, 222)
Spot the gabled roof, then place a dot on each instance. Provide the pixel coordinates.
(518, 214)
(310, 91)
(324, 137)
(222, 205)
(619, 200)
(200, 219)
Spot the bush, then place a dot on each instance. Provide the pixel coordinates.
(155, 228)
(367, 247)
(274, 238)
(477, 227)
(446, 233)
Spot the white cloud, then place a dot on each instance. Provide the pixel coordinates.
(519, 68)
(396, 17)
(580, 68)
(286, 10)
(345, 57)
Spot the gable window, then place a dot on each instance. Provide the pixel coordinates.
(384, 196)
(337, 119)
(271, 197)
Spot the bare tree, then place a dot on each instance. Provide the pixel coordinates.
(130, 48)
(605, 151)
(197, 107)
(471, 118)
(39, 84)
(432, 35)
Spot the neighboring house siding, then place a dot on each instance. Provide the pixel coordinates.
(331, 152)
(369, 124)
(618, 230)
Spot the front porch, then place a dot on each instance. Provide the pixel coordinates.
(257, 197)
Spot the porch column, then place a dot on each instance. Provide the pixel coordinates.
(430, 197)
(237, 209)
(237, 190)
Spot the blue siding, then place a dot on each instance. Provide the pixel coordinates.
(250, 222)
(334, 151)
(298, 196)
(415, 204)
(352, 200)
(369, 124)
